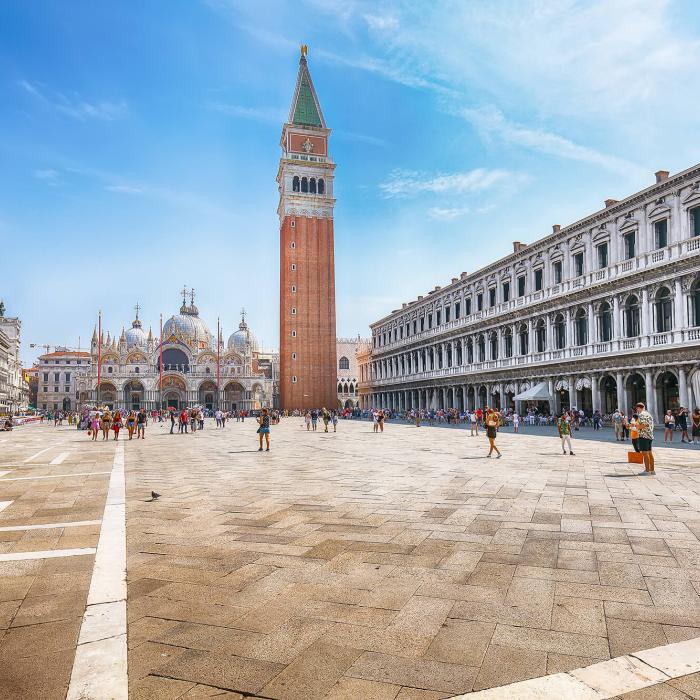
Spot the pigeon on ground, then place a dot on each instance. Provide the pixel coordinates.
(154, 496)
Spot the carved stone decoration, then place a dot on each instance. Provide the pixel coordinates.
(583, 383)
(561, 384)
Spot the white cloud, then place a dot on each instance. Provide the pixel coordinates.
(407, 183)
(490, 122)
(48, 175)
(381, 23)
(124, 189)
(74, 105)
(267, 115)
(447, 213)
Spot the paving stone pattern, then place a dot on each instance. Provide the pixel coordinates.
(403, 565)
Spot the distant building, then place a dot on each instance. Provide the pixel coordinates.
(12, 395)
(57, 379)
(348, 374)
(31, 378)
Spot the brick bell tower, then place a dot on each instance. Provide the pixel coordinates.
(308, 372)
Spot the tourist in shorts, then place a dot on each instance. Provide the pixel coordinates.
(141, 425)
(564, 428)
(380, 421)
(264, 429)
(334, 420)
(695, 426)
(473, 424)
(516, 422)
(645, 425)
(669, 426)
(314, 419)
(491, 432)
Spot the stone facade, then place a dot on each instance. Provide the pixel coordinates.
(604, 313)
(348, 371)
(307, 269)
(13, 392)
(58, 377)
(236, 376)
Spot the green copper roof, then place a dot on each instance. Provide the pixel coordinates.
(305, 110)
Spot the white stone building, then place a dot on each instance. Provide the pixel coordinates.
(57, 375)
(348, 373)
(602, 313)
(13, 397)
(236, 376)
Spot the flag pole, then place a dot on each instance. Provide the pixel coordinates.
(218, 361)
(160, 399)
(99, 355)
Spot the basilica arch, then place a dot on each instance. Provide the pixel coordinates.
(107, 394)
(207, 395)
(234, 396)
(134, 394)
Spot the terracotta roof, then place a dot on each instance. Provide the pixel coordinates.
(65, 353)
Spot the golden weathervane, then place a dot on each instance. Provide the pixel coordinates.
(304, 50)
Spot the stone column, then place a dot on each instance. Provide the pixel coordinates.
(553, 403)
(572, 392)
(679, 308)
(683, 388)
(645, 317)
(464, 397)
(591, 325)
(650, 393)
(617, 319)
(621, 397)
(595, 393)
(502, 395)
(569, 330)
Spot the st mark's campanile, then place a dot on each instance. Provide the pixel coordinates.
(307, 274)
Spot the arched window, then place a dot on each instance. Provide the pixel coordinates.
(470, 352)
(581, 327)
(304, 184)
(352, 388)
(605, 329)
(523, 339)
(137, 370)
(321, 186)
(344, 363)
(493, 346)
(481, 345)
(632, 317)
(508, 343)
(695, 297)
(540, 336)
(312, 185)
(340, 388)
(560, 332)
(345, 388)
(664, 310)
(295, 183)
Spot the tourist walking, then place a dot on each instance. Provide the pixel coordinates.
(307, 420)
(326, 418)
(617, 423)
(695, 426)
(380, 420)
(95, 425)
(564, 428)
(264, 429)
(645, 423)
(669, 426)
(314, 419)
(473, 424)
(682, 422)
(334, 420)
(634, 431)
(516, 422)
(141, 424)
(375, 421)
(131, 424)
(105, 424)
(172, 421)
(117, 424)
(491, 432)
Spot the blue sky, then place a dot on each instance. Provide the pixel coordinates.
(139, 143)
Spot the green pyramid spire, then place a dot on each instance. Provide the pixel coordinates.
(306, 110)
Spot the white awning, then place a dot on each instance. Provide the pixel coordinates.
(539, 392)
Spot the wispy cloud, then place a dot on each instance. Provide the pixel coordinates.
(409, 183)
(74, 105)
(48, 175)
(381, 23)
(447, 213)
(124, 189)
(361, 138)
(491, 122)
(267, 115)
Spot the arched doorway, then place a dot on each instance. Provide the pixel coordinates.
(608, 389)
(234, 396)
(207, 395)
(66, 404)
(133, 395)
(174, 392)
(636, 389)
(667, 392)
(483, 397)
(107, 395)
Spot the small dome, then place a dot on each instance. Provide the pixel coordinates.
(188, 325)
(243, 340)
(135, 336)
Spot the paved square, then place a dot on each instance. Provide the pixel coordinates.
(351, 565)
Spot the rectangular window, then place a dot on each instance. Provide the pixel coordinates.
(578, 264)
(492, 296)
(67, 389)
(422, 323)
(521, 286)
(294, 379)
(294, 289)
(602, 255)
(430, 321)
(294, 267)
(294, 356)
(447, 314)
(294, 334)
(661, 233)
(438, 316)
(456, 310)
(55, 390)
(538, 280)
(57, 376)
(695, 221)
(506, 291)
(294, 311)
(293, 244)
(479, 302)
(415, 327)
(630, 245)
(67, 376)
(557, 269)
(46, 376)
(467, 306)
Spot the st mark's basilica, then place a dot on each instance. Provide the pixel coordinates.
(236, 375)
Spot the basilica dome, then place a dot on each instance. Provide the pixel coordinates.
(243, 340)
(188, 325)
(135, 336)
